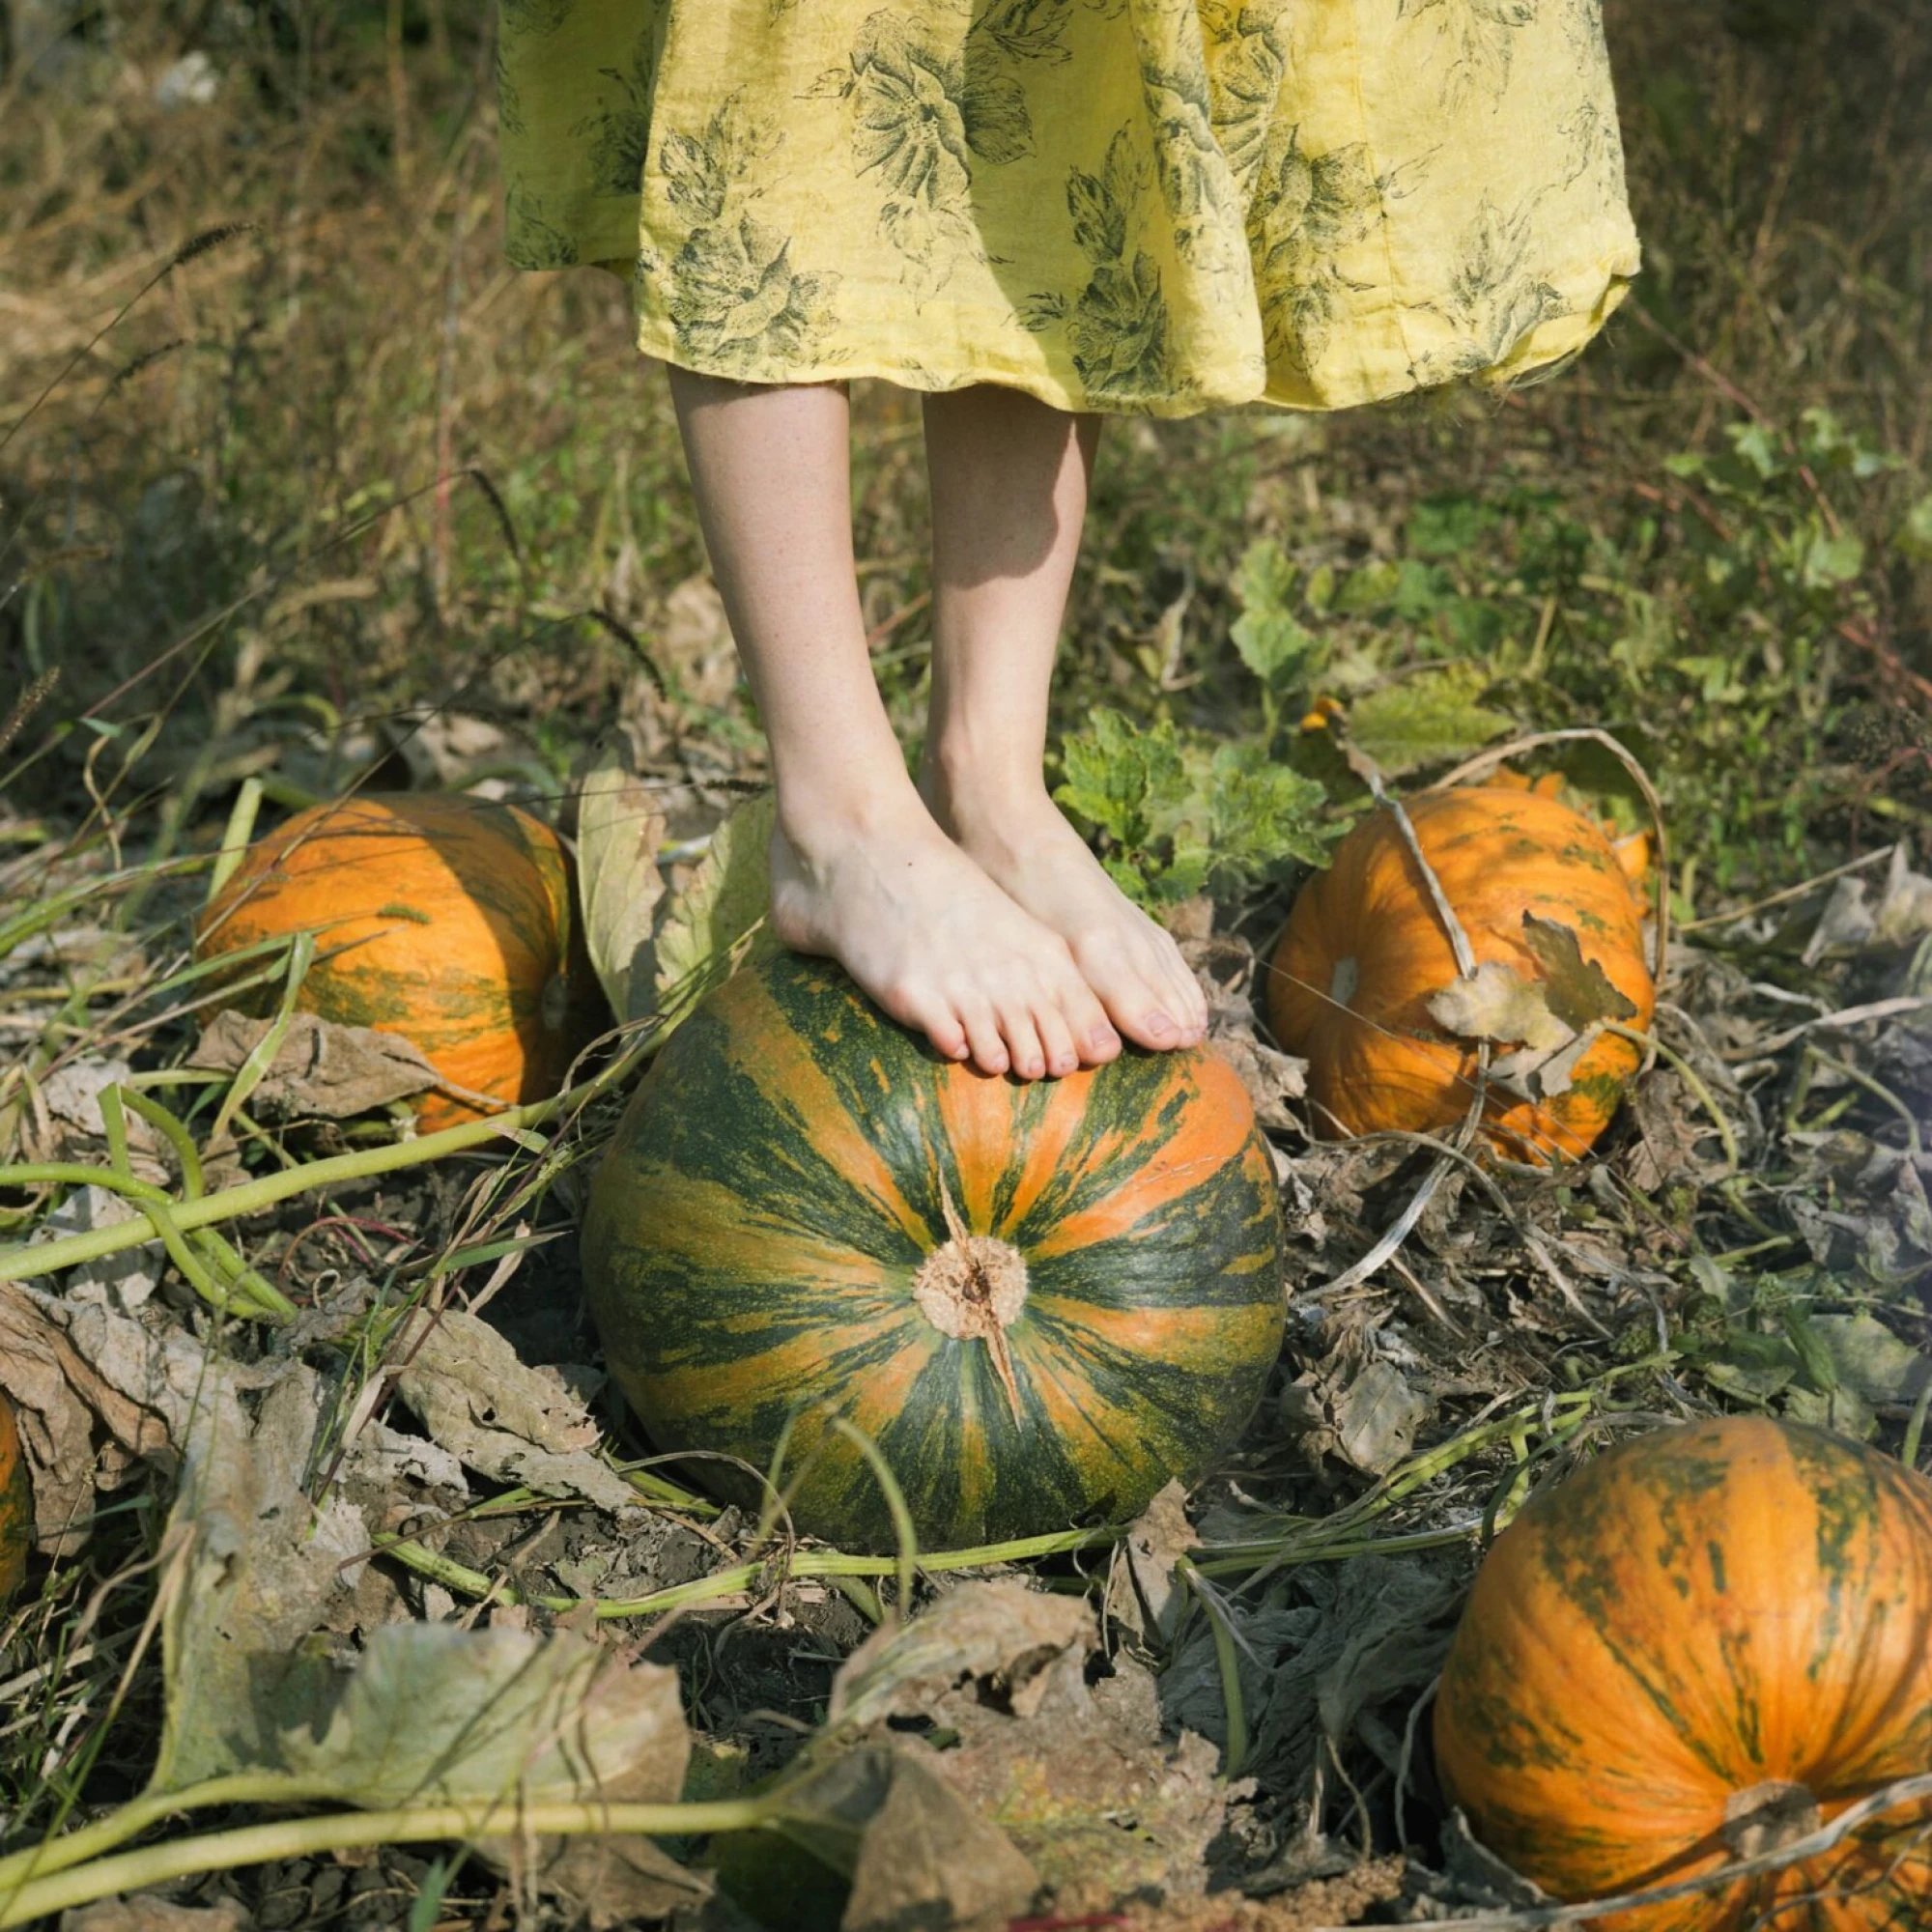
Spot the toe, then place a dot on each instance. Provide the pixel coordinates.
(1095, 1038)
(1025, 1054)
(935, 1018)
(983, 1035)
(1056, 1041)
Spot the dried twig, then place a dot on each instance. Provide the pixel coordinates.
(1781, 1858)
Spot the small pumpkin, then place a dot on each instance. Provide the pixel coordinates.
(445, 919)
(1039, 1300)
(1365, 949)
(1707, 1641)
(16, 1505)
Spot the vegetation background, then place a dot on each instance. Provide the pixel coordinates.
(298, 483)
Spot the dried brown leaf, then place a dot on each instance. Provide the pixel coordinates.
(1577, 990)
(1498, 1003)
(321, 1070)
(927, 1861)
(520, 1425)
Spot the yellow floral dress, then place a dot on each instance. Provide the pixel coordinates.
(1156, 206)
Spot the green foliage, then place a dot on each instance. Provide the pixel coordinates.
(1186, 815)
(1272, 642)
(1425, 720)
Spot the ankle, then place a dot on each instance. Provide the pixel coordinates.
(958, 781)
(825, 814)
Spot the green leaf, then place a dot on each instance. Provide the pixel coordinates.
(1273, 644)
(1425, 719)
(1260, 815)
(1447, 525)
(1914, 533)
(1757, 449)
(1182, 816)
(1276, 648)
(1832, 559)
(1116, 775)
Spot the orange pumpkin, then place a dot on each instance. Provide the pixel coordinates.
(16, 1505)
(1711, 1641)
(1632, 848)
(445, 919)
(1365, 949)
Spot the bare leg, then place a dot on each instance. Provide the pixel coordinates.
(860, 870)
(1010, 479)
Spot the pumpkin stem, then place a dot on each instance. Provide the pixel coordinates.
(1766, 1817)
(972, 1288)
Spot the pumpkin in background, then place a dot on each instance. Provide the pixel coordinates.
(16, 1505)
(1365, 949)
(1707, 1641)
(1634, 849)
(445, 919)
(1039, 1300)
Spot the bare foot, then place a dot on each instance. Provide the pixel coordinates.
(934, 940)
(1020, 841)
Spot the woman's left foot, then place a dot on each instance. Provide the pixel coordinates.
(1025, 846)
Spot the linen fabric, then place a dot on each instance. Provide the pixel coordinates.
(1149, 205)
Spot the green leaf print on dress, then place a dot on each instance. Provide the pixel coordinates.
(532, 239)
(1117, 328)
(1024, 29)
(1245, 72)
(1475, 39)
(1304, 209)
(734, 299)
(620, 133)
(922, 116)
(1495, 297)
(534, 17)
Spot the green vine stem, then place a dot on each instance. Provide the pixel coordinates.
(24, 1261)
(410, 1824)
(804, 1564)
(1648, 1043)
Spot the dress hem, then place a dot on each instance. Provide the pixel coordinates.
(1552, 343)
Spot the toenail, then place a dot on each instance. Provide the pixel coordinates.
(1065, 1063)
(1104, 1039)
(1160, 1025)
(1032, 1068)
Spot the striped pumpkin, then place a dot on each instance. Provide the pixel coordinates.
(444, 919)
(16, 1505)
(1707, 1641)
(1041, 1301)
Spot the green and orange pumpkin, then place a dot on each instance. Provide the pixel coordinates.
(1365, 949)
(1708, 1641)
(1040, 1301)
(445, 919)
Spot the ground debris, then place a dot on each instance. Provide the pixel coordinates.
(517, 1424)
(320, 1069)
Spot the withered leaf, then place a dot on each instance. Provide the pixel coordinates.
(321, 1070)
(1000, 1633)
(928, 1859)
(1579, 991)
(619, 828)
(1498, 1003)
(718, 922)
(503, 1418)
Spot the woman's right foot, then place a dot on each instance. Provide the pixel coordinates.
(882, 889)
